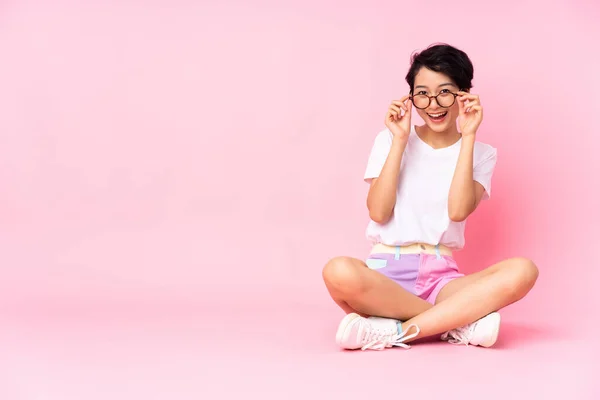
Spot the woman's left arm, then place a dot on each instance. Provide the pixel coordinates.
(466, 193)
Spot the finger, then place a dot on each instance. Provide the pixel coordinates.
(474, 110)
(461, 107)
(388, 117)
(393, 115)
(402, 100)
(397, 112)
(472, 106)
(468, 96)
(395, 108)
(408, 109)
(400, 103)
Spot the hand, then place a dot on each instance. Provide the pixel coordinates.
(396, 122)
(470, 113)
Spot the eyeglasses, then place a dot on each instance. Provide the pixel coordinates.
(444, 99)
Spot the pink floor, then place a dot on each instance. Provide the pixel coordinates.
(167, 164)
(172, 351)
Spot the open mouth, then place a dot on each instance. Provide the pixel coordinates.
(438, 117)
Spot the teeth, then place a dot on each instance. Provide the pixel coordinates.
(437, 115)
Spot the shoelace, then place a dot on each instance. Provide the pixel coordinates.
(460, 335)
(378, 340)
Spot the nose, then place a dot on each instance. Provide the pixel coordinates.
(433, 100)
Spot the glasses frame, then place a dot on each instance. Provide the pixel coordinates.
(412, 98)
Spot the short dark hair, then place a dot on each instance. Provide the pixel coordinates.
(445, 59)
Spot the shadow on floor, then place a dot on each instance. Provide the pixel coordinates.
(515, 335)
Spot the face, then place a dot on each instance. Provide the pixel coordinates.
(438, 117)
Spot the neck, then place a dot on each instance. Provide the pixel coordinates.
(438, 140)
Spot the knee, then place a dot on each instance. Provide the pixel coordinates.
(524, 273)
(342, 275)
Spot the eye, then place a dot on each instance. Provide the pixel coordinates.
(445, 91)
(422, 92)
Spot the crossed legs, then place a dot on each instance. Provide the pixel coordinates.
(358, 289)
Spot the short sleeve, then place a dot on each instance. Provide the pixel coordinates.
(378, 156)
(484, 169)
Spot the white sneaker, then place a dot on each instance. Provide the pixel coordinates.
(483, 332)
(356, 332)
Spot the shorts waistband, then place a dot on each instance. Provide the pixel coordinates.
(416, 248)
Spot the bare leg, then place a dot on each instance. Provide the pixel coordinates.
(472, 297)
(356, 288)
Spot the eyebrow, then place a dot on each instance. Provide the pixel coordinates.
(443, 84)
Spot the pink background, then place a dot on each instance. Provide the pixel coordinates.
(174, 176)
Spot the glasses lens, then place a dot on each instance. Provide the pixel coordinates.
(445, 99)
(421, 101)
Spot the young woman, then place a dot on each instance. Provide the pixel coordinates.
(424, 183)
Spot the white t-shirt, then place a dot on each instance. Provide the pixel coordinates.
(421, 211)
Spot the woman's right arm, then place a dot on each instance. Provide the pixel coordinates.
(382, 193)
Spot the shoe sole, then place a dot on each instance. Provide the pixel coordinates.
(344, 327)
(493, 318)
